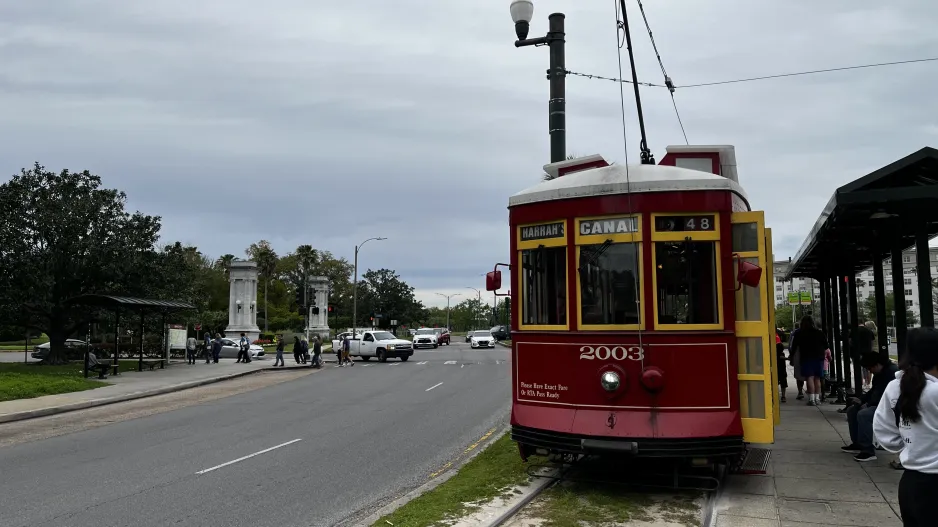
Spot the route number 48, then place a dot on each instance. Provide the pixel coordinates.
(616, 353)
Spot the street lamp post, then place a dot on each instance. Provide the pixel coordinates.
(355, 286)
(447, 305)
(521, 13)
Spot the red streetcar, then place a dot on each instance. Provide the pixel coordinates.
(643, 323)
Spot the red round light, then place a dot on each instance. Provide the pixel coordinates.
(653, 378)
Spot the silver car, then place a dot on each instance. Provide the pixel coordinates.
(230, 349)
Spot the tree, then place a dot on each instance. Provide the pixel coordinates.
(224, 263)
(869, 310)
(391, 296)
(471, 314)
(62, 235)
(267, 260)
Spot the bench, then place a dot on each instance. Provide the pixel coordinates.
(151, 363)
(102, 368)
(115, 368)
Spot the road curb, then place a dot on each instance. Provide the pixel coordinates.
(430, 485)
(53, 410)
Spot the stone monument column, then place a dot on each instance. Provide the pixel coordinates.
(242, 301)
(319, 323)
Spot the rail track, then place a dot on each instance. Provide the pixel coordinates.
(637, 476)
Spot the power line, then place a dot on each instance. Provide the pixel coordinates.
(667, 79)
(749, 79)
(827, 70)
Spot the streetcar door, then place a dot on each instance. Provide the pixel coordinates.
(755, 335)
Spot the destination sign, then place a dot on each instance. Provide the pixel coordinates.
(542, 232)
(624, 225)
(685, 223)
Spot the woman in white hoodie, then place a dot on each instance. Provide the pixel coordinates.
(906, 421)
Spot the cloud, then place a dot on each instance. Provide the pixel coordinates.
(332, 123)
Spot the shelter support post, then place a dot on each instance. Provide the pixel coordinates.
(835, 326)
(117, 335)
(163, 343)
(854, 322)
(898, 299)
(844, 333)
(879, 294)
(140, 359)
(825, 318)
(925, 301)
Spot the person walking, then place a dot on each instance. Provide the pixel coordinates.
(216, 348)
(810, 346)
(338, 350)
(191, 345)
(297, 349)
(317, 352)
(304, 350)
(795, 359)
(782, 367)
(279, 357)
(906, 422)
(208, 347)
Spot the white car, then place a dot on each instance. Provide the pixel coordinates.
(426, 338)
(230, 348)
(481, 339)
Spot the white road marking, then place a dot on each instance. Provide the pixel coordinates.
(247, 457)
(432, 387)
(462, 365)
(395, 364)
(421, 363)
(450, 362)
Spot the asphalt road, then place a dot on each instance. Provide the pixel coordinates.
(353, 439)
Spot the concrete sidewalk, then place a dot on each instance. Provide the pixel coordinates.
(129, 385)
(809, 481)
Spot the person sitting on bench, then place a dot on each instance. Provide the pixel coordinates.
(863, 408)
(94, 365)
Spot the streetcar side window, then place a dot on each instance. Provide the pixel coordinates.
(544, 286)
(609, 283)
(687, 282)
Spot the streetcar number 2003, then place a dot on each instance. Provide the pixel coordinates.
(616, 353)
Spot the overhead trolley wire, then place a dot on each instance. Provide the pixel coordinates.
(764, 77)
(667, 79)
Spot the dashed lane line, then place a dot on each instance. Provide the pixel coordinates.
(216, 467)
(434, 386)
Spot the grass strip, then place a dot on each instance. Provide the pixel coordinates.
(588, 505)
(26, 381)
(489, 475)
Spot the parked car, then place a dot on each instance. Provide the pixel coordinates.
(74, 350)
(500, 333)
(481, 339)
(230, 349)
(380, 344)
(426, 338)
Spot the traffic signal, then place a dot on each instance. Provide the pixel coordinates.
(301, 311)
(299, 298)
(315, 310)
(331, 309)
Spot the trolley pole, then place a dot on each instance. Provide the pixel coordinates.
(522, 11)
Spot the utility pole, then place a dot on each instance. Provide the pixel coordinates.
(475, 318)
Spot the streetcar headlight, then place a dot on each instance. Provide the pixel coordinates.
(610, 381)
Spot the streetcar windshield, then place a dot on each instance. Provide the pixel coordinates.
(687, 282)
(609, 283)
(544, 286)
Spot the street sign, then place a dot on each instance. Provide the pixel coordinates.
(393, 322)
(794, 298)
(198, 327)
(806, 298)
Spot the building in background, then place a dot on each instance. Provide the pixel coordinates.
(865, 282)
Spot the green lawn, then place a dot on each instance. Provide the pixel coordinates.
(492, 473)
(25, 381)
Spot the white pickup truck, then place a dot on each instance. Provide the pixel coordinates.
(380, 344)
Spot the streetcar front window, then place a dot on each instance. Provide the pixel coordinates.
(687, 282)
(544, 286)
(609, 283)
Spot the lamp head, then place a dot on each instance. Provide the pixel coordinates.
(522, 11)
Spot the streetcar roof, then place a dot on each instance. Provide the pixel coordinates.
(619, 179)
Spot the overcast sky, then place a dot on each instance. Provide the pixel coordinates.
(331, 122)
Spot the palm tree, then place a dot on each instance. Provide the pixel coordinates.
(224, 263)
